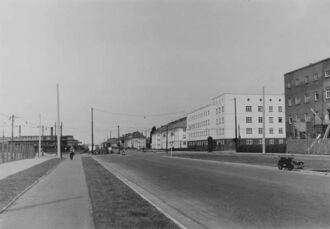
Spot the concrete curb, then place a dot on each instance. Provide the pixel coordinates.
(28, 188)
(307, 172)
(159, 204)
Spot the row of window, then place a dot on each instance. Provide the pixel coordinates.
(297, 100)
(306, 79)
(220, 131)
(220, 120)
(220, 110)
(259, 141)
(270, 119)
(199, 134)
(271, 131)
(246, 141)
(199, 124)
(306, 118)
(270, 109)
(200, 115)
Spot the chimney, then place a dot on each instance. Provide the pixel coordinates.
(51, 131)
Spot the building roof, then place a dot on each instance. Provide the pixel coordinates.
(308, 66)
(246, 94)
(200, 108)
(180, 123)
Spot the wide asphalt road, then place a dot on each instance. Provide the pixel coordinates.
(222, 195)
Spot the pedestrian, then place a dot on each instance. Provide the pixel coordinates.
(71, 152)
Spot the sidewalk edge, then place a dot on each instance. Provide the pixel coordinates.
(28, 188)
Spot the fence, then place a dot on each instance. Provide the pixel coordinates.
(308, 146)
(16, 151)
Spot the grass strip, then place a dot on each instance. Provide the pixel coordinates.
(13, 185)
(115, 205)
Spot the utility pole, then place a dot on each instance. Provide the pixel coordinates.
(166, 138)
(12, 137)
(59, 154)
(118, 133)
(2, 145)
(39, 152)
(235, 125)
(92, 131)
(263, 121)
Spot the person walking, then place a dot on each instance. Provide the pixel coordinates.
(71, 152)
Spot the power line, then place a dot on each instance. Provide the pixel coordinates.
(139, 115)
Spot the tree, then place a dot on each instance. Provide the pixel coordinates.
(153, 129)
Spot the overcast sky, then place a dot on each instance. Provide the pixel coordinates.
(144, 58)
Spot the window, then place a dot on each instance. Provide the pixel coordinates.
(306, 99)
(260, 141)
(289, 102)
(316, 96)
(290, 120)
(248, 119)
(259, 108)
(306, 79)
(249, 142)
(271, 141)
(248, 130)
(280, 141)
(248, 108)
(259, 119)
(270, 108)
(327, 93)
(223, 109)
(297, 82)
(315, 76)
(307, 118)
(297, 100)
(280, 109)
(260, 130)
(289, 85)
(271, 119)
(271, 131)
(280, 130)
(280, 119)
(327, 74)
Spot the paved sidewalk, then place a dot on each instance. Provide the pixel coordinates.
(60, 200)
(9, 168)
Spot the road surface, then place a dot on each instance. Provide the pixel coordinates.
(222, 195)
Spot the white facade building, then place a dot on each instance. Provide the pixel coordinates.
(200, 123)
(217, 120)
(171, 135)
(249, 116)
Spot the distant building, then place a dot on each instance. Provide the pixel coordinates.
(307, 100)
(48, 143)
(217, 121)
(135, 140)
(172, 135)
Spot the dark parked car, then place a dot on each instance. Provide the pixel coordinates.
(289, 163)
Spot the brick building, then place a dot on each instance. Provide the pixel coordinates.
(307, 100)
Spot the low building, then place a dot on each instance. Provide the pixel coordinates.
(135, 140)
(172, 135)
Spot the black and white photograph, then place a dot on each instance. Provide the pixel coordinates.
(164, 114)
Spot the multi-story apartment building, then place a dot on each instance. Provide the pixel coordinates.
(171, 135)
(218, 122)
(200, 126)
(307, 99)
